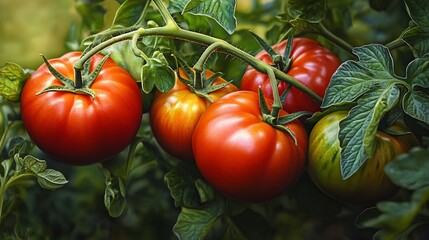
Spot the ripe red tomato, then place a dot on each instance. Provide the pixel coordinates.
(311, 64)
(370, 183)
(175, 114)
(76, 128)
(243, 157)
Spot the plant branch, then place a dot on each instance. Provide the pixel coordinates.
(199, 65)
(168, 19)
(334, 39)
(198, 38)
(397, 43)
(277, 105)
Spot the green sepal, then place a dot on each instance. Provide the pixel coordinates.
(89, 79)
(285, 93)
(211, 79)
(287, 60)
(267, 48)
(287, 131)
(263, 104)
(214, 88)
(64, 80)
(83, 91)
(69, 85)
(292, 117)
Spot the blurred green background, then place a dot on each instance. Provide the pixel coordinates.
(31, 28)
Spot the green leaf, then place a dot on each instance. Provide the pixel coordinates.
(92, 14)
(12, 79)
(51, 179)
(31, 163)
(181, 181)
(205, 191)
(410, 170)
(122, 54)
(358, 129)
(397, 219)
(194, 224)
(352, 79)
(417, 39)
(419, 13)
(233, 232)
(157, 72)
(221, 11)
(114, 194)
(416, 101)
(304, 26)
(248, 224)
(312, 11)
(130, 13)
(19, 145)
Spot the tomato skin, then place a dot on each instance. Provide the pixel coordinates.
(311, 64)
(243, 157)
(174, 115)
(370, 183)
(74, 128)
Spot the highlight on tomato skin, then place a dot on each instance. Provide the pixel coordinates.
(243, 157)
(174, 115)
(76, 128)
(311, 64)
(370, 183)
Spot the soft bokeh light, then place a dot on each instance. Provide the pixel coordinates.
(31, 28)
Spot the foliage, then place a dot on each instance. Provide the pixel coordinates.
(143, 191)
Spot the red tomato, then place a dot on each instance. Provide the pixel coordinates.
(243, 157)
(76, 128)
(311, 64)
(175, 114)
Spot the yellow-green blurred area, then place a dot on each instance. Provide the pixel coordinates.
(30, 28)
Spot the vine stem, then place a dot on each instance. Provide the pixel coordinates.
(199, 65)
(395, 44)
(168, 19)
(277, 104)
(171, 30)
(335, 39)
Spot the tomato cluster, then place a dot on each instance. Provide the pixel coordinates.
(241, 152)
(174, 115)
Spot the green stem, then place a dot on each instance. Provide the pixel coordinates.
(130, 158)
(395, 44)
(199, 65)
(168, 19)
(136, 50)
(335, 39)
(2, 196)
(6, 131)
(6, 184)
(87, 55)
(277, 104)
(195, 37)
(78, 82)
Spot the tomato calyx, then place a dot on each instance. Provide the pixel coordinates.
(199, 84)
(83, 79)
(281, 62)
(272, 116)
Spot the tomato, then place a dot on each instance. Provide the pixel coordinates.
(369, 184)
(175, 114)
(311, 64)
(244, 157)
(76, 128)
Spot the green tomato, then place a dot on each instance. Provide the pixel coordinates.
(369, 184)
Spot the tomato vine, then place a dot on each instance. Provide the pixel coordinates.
(380, 83)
